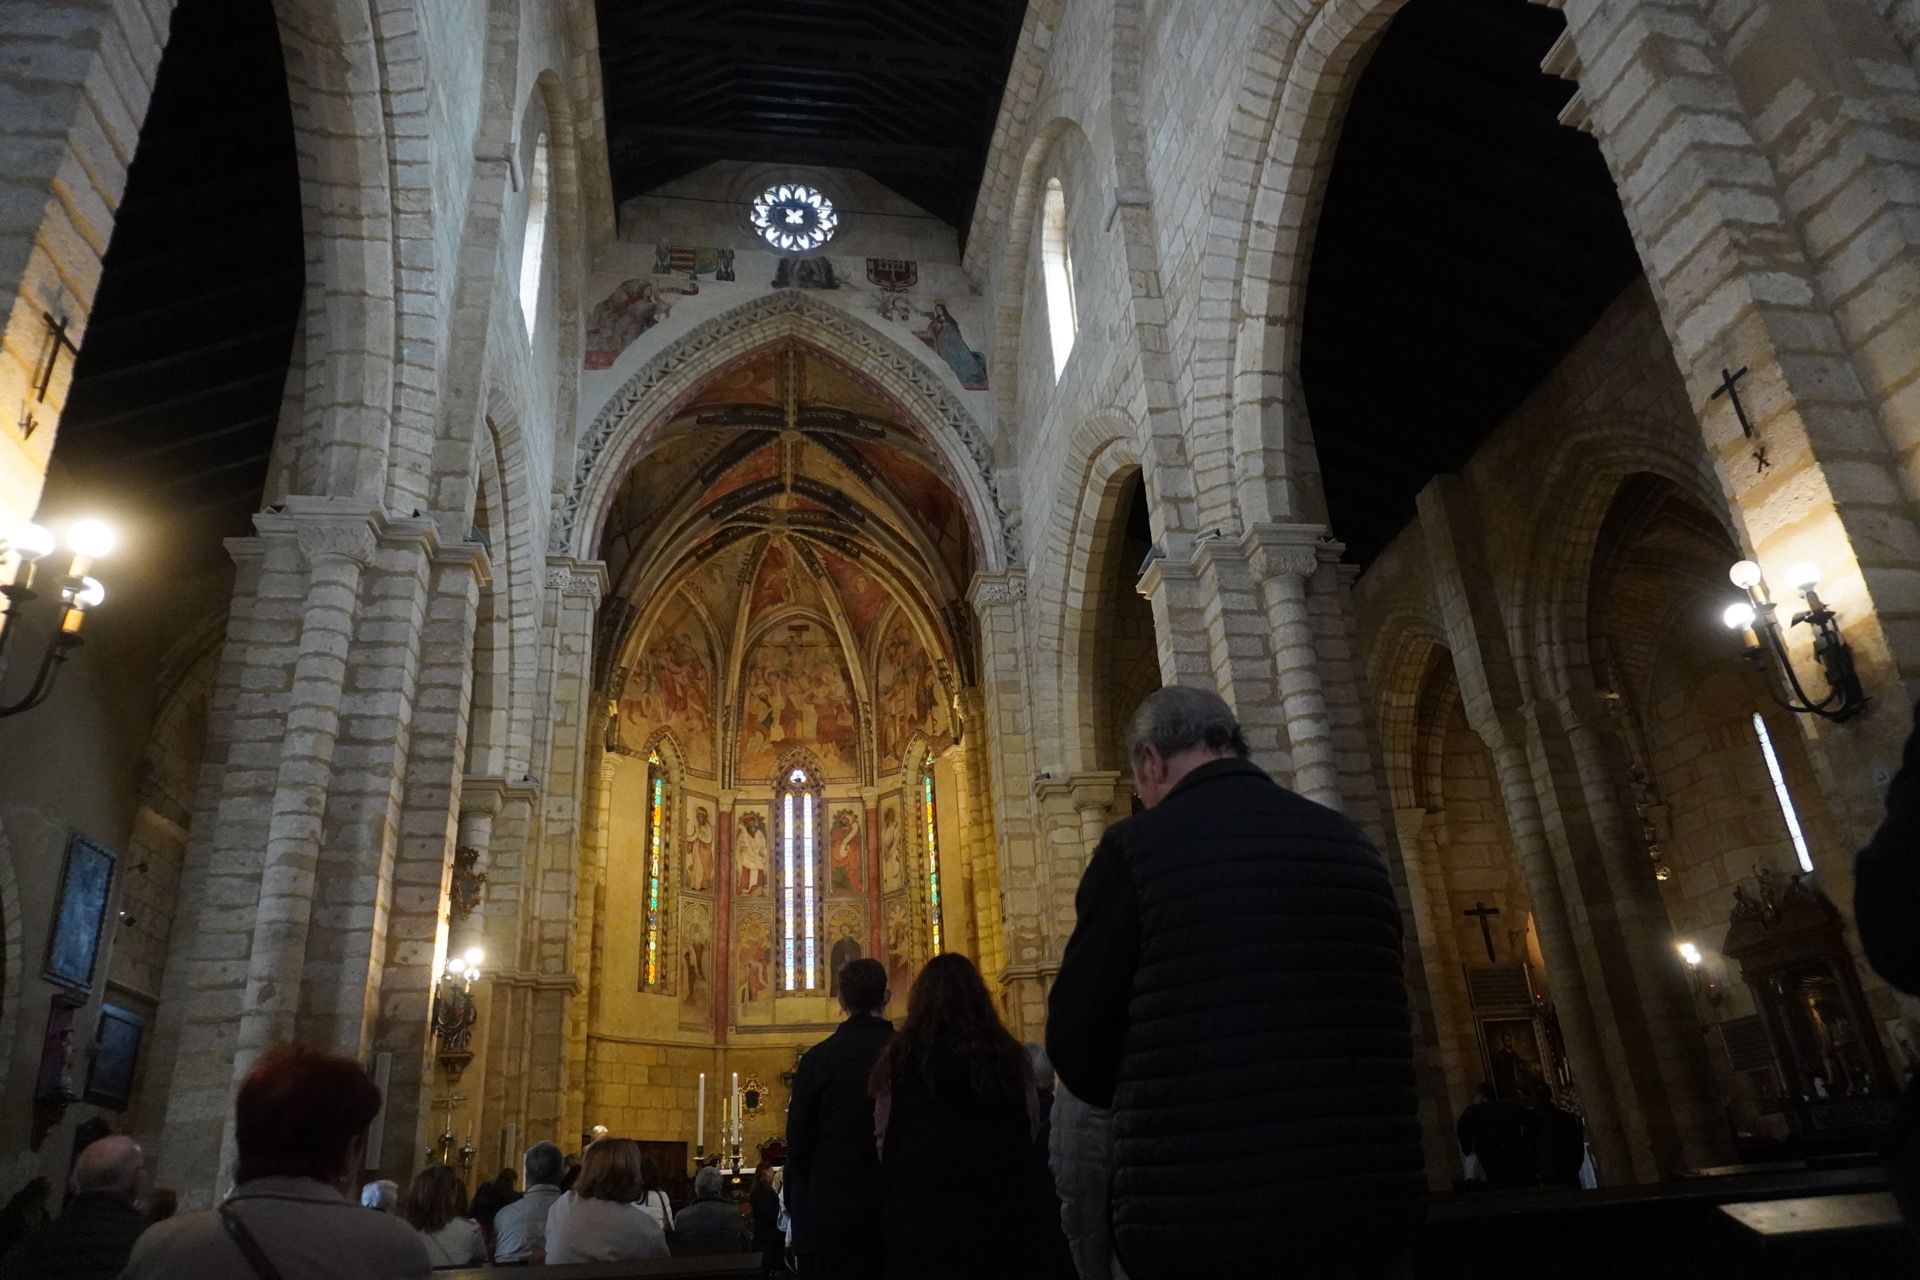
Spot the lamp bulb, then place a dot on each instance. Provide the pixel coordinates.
(456, 966)
(1738, 617)
(1804, 576)
(473, 956)
(1745, 574)
(1690, 953)
(30, 541)
(91, 594)
(91, 538)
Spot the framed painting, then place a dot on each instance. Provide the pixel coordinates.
(116, 1053)
(80, 914)
(1516, 1061)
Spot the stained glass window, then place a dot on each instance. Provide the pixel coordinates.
(534, 246)
(799, 894)
(929, 816)
(657, 800)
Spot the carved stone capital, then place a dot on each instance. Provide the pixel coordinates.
(325, 529)
(490, 794)
(998, 588)
(586, 579)
(1286, 550)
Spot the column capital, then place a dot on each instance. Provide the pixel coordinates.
(1288, 550)
(490, 793)
(571, 577)
(325, 528)
(1096, 789)
(988, 589)
(471, 556)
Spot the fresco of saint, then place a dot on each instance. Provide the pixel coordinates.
(698, 873)
(752, 853)
(846, 866)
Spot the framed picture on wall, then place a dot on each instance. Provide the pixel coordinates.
(116, 1052)
(80, 914)
(1514, 1057)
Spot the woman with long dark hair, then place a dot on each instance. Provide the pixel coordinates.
(955, 1109)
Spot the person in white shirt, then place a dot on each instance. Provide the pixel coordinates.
(655, 1200)
(598, 1220)
(520, 1229)
(434, 1210)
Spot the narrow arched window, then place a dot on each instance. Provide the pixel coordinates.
(1787, 812)
(1056, 260)
(659, 802)
(533, 246)
(799, 891)
(929, 817)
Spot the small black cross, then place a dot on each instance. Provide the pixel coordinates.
(1483, 911)
(1729, 387)
(60, 341)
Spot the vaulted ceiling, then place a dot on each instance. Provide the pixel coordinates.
(1467, 240)
(904, 92)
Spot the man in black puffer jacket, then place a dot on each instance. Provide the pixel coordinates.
(1234, 991)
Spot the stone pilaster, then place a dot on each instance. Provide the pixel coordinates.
(1284, 559)
(1239, 650)
(495, 815)
(1025, 888)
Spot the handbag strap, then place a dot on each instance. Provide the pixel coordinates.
(249, 1247)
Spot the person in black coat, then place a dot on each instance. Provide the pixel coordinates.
(957, 1109)
(833, 1172)
(1559, 1141)
(1234, 990)
(1886, 903)
(1499, 1134)
(94, 1237)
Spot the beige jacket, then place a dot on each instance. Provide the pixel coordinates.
(308, 1230)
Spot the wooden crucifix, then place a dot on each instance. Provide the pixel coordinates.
(1482, 911)
(1730, 388)
(59, 342)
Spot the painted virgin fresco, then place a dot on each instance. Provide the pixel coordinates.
(846, 853)
(795, 694)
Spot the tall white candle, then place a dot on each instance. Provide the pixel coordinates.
(736, 1108)
(700, 1115)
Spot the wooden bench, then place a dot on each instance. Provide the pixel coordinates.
(1775, 1221)
(732, 1266)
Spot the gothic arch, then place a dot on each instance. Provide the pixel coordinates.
(621, 430)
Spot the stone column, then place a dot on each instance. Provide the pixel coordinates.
(1000, 602)
(1241, 657)
(978, 834)
(1172, 588)
(557, 1041)
(1284, 557)
(495, 813)
(1098, 797)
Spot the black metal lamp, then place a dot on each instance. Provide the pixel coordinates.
(1756, 616)
(87, 540)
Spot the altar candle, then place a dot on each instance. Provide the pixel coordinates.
(736, 1108)
(700, 1115)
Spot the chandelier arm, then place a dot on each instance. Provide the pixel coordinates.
(58, 646)
(1806, 705)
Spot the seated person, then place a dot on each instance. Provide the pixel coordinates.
(710, 1219)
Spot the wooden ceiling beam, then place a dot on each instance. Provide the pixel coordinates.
(753, 144)
(802, 50)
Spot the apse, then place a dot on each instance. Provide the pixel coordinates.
(786, 638)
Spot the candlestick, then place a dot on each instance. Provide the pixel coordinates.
(700, 1119)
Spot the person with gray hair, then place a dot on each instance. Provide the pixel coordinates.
(520, 1229)
(710, 1220)
(94, 1237)
(382, 1194)
(1234, 993)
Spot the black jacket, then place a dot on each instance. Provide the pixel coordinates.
(1234, 989)
(833, 1171)
(90, 1241)
(1886, 879)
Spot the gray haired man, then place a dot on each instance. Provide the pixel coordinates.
(1233, 992)
(520, 1229)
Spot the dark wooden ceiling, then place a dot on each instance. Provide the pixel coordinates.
(177, 385)
(1467, 241)
(905, 92)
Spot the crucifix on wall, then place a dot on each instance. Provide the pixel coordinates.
(1730, 388)
(1483, 913)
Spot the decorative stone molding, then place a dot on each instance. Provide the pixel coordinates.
(471, 555)
(570, 577)
(483, 793)
(1286, 550)
(324, 529)
(768, 317)
(1004, 588)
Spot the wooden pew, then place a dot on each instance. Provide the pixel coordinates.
(732, 1266)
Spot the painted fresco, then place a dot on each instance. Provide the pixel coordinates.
(905, 692)
(753, 959)
(762, 464)
(893, 846)
(795, 693)
(773, 583)
(898, 938)
(696, 963)
(672, 687)
(943, 335)
(846, 940)
(846, 853)
(805, 273)
(634, 307)
(863, 597)
(692, 260)
(696, 868)
(752, 854)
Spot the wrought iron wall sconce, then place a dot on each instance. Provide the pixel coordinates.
(1704, 987)
(454, 1012)
(1756, 617)
(87, 540)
